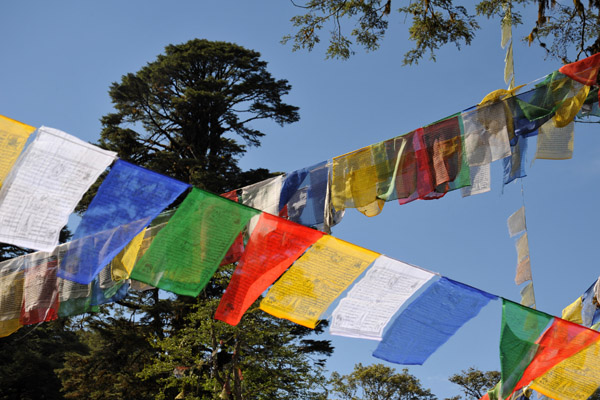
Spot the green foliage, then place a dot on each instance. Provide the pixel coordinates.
(261, 358)
(29, 357)
(573, 30)
(378, 382)
(180, 114)
(475, 383)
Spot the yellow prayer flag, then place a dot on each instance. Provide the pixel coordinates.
(575, 378)
(316, 279)
(11, 297)
(123, 263)
(569, 108)
(573, 312)
(13, 135)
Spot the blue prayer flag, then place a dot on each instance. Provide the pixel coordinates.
(430, 320)
(127, 201)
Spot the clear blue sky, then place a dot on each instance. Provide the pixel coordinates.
(59, 59)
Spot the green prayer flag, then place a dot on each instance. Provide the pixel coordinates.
(186, 253)
(521, 327)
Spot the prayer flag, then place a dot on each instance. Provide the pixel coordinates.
(263, 196)
(528, 295)
(12, 278)
(13, 135)
(127, 201)
(303, 195)
(516, 222)
(375, 298)
(555, 143)
(522, 245)
(575, 378)
(583, 71)
(364, 178)
(315, 280)
(237, 248)
(523, 271)
(480, 181)
(40, 288)
(274, 245)
(486, 134)
(45, 185)
(429, 321)
(514, 166)
(188, 250)
(521, 327)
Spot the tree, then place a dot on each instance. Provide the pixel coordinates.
(29, 357)
(261, 358)
(475, 383)
(182, 115)
(378, 382)
(567, 32)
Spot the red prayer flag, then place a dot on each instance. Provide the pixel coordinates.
(274, 245)
(584, 71)
(563, 339)
(40, 292)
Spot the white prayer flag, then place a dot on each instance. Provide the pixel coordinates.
(480, 181)
(45, 185)
(263, 196)
(516, 222)
(373, 301)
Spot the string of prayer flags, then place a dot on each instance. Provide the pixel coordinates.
(188, 250)
(13, 135)
(274, 245)
(316, 279)
(12, 278)
(555, 143)
(374, 299)
(127, 201)
(575, 378)
(45, 185)
(521, 327)
(430, 320)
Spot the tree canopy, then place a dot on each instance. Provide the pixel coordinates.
(378, 382)
(566, 31)
(185, 113)
(475, 383)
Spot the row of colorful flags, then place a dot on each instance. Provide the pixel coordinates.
(121, 238)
